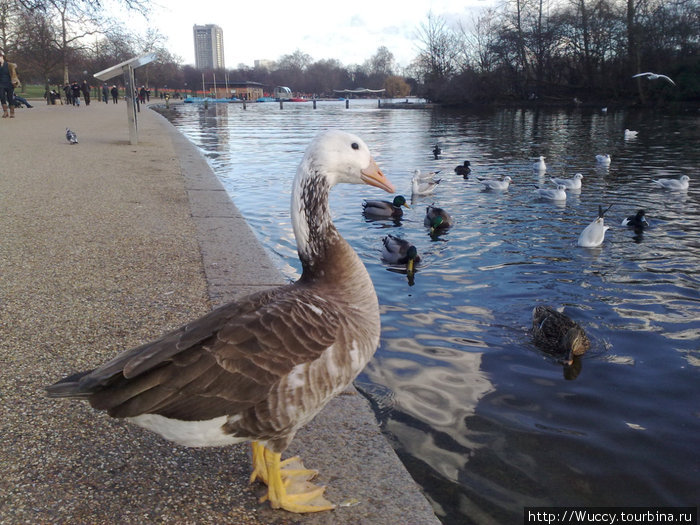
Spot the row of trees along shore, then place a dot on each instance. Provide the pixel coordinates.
(522, 51)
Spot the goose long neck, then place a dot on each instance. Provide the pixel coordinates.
(311, 219)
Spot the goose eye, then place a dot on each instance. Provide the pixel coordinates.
(355, 145)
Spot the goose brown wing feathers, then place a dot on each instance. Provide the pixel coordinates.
(219, 365)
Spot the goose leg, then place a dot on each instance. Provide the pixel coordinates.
(293, 495)
(291, 468)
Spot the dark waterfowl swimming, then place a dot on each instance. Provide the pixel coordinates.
(259, 368)
(399, 251)
(637, 221)
(464, 169)
(437, 219)
(385, 209)
(437, 151)
(557, 334)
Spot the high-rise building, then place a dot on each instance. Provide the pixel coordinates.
(208, 47)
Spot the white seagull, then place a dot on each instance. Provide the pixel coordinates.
(71, 137)
(594, 234)
(674, 184)
(425, 177)
(570, 184)
(422, 187)
(629, 134)
(496, 185)
(654, 76)
(558, 194)
(603, 160)
(539, 165)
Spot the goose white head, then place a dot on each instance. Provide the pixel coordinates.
(333, 157)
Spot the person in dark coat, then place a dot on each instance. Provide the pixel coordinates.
(105, 93)
(8, 82)
(115, 94)
(85, 88)
(75, 92)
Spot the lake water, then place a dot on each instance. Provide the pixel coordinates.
(484, 421)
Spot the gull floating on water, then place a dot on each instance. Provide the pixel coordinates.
(573, 183)
(674, 184)
(558, 194)
(422, 186)
(629, 134)
(425, 177)
(539, 165)
(496, 185)
(653, 76)
(594, 234)
(603, 160)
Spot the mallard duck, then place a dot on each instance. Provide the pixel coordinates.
(421, 186)
(437, 219)
(637, 221)
(496, 185)
(259, 368)
(603, 160)
(540, 165)
(385, 208)
(557, 194)
(399, 251)
(464, 169)
(557, 334)
(573, 183)
(594, 234)
(681, 184)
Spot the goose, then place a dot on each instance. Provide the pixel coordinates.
(603, 160)
(573, 183)
(259, 368)
(594, 234)
(71, 137)
(437, 219)
(422, 187)
(673, 184)
(654, 76)
(558, 194)
(637, 221)
(386, 209)
(629, 134)
(540, 164)
(496, 185)
(557, 334)
(464, 169)
(399, 251)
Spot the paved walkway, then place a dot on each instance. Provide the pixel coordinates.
(103, 246)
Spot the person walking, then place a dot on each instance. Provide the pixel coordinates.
(105, 93)
(75, 92)
(85, 88)
(8, 82)
(115, 94)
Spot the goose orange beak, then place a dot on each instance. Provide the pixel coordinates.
(373, 176)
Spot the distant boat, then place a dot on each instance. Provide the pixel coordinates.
(266, 99)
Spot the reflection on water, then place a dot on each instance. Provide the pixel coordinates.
(484, 421)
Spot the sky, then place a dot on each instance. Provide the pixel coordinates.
(349, 31)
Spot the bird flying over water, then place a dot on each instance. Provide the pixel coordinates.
(71, 137)
(654, 76)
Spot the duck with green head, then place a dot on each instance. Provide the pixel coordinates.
(385, 209)
(437, 219)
